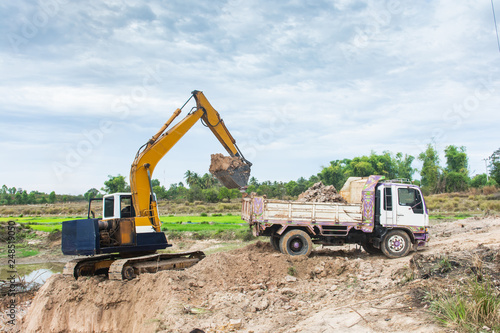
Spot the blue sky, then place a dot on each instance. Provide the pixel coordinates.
(298, 83)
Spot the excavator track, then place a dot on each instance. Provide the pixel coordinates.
(128, 268)
(84, 266)
(119, 268)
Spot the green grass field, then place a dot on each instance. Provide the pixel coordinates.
(170, 223)
(439, 216)
(183, 223)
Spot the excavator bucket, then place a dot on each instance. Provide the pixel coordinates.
(234, 178)
(232, 172)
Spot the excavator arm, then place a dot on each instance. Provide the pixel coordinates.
(125, 239)
(152, 152)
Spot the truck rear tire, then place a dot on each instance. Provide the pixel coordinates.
(275, 242)
(296, 242)
(396, 244)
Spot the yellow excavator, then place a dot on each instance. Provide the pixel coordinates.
(124, 242)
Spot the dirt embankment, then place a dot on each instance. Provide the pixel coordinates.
(255, 289)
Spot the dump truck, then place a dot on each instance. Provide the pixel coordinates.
(388, 217)
(123, 243)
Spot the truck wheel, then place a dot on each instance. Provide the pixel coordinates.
(396, 244)
(275, 242)
(370, 249)
(296, 243)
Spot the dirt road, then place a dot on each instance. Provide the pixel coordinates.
(255, 289)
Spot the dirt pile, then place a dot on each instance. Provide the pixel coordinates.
(321, 193)
(232, 172)
(255, 289)
(478, 263)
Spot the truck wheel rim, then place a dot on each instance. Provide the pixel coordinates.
(396, 243)
(296, 245)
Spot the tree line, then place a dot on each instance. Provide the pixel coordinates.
(453, 176)
(18, 196)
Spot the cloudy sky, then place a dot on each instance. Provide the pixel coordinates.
(298, 83)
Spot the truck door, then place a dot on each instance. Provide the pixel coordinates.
(387, 213)
(409, 207)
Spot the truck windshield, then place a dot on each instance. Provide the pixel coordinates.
(411, 197)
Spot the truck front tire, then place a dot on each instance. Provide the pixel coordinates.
(396, 244)
(296, 242)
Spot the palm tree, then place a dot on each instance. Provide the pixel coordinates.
(189, 177)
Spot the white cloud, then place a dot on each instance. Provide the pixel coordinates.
(298, 83)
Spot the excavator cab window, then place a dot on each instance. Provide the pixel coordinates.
(109, 207)
(126, 207)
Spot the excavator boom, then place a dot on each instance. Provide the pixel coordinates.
(155, 149)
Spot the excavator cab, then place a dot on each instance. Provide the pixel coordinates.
(118, 205)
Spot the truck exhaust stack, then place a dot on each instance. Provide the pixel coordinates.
(232, 172)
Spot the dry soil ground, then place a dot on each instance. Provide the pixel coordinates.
(252, 290)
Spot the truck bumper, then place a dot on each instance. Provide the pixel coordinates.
(421, 240)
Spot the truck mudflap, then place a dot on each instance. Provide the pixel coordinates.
(421, 240)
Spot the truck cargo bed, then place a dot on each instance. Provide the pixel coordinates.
(260, 209)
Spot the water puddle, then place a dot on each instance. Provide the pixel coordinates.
(30, 275)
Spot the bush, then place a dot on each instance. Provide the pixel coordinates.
(494, 196)
(456, 182)
(248, 236)
(203, 214)
(469, 308)
(211, 195)
(489, 190)
(478, 181)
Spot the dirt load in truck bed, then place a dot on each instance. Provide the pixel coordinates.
(255, 289)
(321, 193)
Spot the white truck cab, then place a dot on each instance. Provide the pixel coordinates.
(402, 205)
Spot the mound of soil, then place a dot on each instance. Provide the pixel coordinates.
(255, 289)
(479, 262)
(224, 289)
(321, 193)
